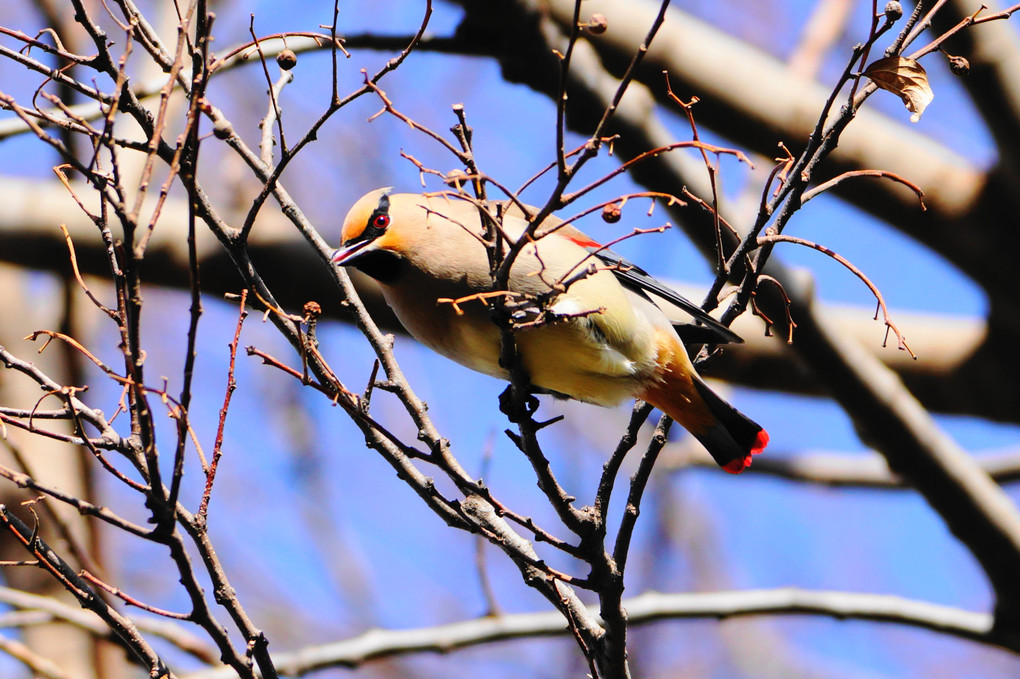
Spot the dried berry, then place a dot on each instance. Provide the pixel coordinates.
(456, 178)
(286, 59)
(611, 213)
(893, 10)
(959, 66)
(597, 24)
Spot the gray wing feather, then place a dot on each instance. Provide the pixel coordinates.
(637, 279)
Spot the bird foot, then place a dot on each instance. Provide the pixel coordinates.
(514, 408)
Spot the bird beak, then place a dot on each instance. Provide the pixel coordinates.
(344, 255)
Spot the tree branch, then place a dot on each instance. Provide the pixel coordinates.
(643, 609)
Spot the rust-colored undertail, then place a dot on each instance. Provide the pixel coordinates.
(728, 435)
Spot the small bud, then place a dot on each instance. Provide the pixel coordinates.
(893, 10)
(222, 129)
(286, 59)
(312, 309)
(959, 66)
(611, 213)
(456, 178)
(597, 24)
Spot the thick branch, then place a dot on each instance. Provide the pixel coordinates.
(889, 418)
(644, 609)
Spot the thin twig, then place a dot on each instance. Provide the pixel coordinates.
(901, 341)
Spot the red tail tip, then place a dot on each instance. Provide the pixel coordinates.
(741, 463)
(738, 465)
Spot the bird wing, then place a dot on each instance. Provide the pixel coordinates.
(705, 330)
(638, 280)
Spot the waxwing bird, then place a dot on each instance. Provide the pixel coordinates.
(608, 338)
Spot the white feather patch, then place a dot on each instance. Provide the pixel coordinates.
(566, 306)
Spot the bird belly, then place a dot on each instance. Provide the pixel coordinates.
(566, 357)
(467, 337)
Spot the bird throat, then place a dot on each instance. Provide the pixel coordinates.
(382, 265)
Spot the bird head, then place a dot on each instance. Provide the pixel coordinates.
(366, 228)
(370, 240)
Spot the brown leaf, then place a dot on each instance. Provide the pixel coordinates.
(906, 78)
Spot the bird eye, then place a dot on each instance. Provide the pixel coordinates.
(381, 221)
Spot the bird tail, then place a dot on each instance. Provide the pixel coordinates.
(734, 437)
(729, 436)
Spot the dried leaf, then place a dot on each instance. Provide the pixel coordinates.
(906, 78)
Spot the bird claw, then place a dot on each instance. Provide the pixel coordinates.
(517, 410)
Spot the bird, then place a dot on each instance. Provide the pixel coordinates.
(599, 334)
